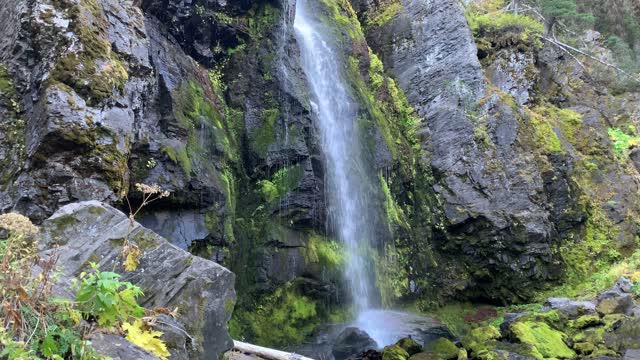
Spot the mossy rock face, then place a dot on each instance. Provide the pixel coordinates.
(445, 348)
(394, 352)
(545, 341)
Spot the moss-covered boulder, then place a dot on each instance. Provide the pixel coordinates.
(394, 352)
(445, 349)
(81, 233)
(409, 345)
(545, 341)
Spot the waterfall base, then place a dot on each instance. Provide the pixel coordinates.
(385, 327)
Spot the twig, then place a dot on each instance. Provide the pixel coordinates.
(34, 331)
(567, 47)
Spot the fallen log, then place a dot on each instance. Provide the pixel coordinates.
(266, 353)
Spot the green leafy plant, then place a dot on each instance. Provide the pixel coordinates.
(103, 296)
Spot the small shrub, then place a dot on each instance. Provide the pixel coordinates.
(103, 296)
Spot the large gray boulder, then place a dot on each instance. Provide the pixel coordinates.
(202, 290)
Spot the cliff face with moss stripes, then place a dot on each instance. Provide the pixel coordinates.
(506, 165)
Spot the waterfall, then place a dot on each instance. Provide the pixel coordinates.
(346, 181)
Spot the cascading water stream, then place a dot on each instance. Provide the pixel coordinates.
(346, 180)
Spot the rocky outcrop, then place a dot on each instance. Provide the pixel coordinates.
(202, 290)
(505, 133)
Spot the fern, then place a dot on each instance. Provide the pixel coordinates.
(148, 340)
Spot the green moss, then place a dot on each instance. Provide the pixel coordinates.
(228, 181)
(494, 28)
(327, 253)
(12, 127)
(545, 341)
(481, 339)
(384, 12)
(409, 345)
(443, 347)
(95, 71)
(7, 89)
(394, 352)
(342, 18)
(180, 157)
(453, 316)
(265, 134)
(228, 306)
(392, 279)
(282, 318)
(395, 214)
(586, 321)
(261, 19)
(623, 140)
(544, 133)
(281, 183)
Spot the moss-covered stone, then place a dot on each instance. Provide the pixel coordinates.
(95, 71)
(481, 339)
(545, 341)
(409, 345)
(394, 352)
(446, 349)
(587, 321)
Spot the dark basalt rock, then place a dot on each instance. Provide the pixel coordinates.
(572, 309)
(352, 342)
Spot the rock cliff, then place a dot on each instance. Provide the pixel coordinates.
(500, 173)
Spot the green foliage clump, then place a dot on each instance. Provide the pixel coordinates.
(282, 318)
(623, 140)
(281, 183)
(566, 10)
(103, 296)
(494, 28)
(33, 324)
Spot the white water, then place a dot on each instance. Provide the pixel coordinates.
(346, 182)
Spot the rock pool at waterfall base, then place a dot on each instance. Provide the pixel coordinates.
(330, 179)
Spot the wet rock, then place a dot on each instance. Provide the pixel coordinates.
(514, 73)
(409, 345)
(625, 335)
(617, 300)
(91, 231)
(174, 335)
(351, 342)
(633, 354)
(571, 308)
(117, 348)
(425, 356)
